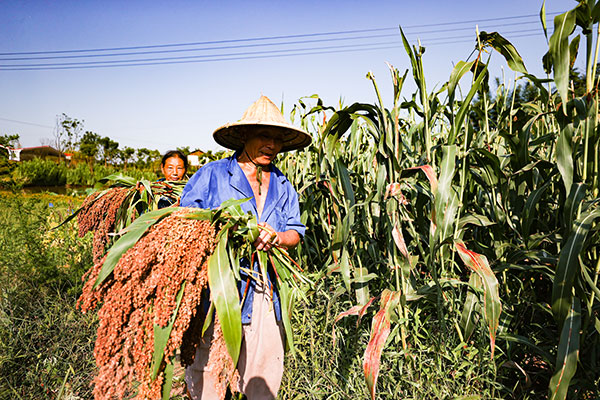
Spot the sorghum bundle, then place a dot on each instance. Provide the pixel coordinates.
(98, 214)
(142, 293)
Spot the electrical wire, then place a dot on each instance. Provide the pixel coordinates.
(286, 52)
(268, 37)
(495, 26)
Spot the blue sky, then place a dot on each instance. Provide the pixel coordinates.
(168, 106)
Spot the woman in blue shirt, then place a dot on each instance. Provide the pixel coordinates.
(257, 138)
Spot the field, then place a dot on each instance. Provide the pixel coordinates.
(453, 241)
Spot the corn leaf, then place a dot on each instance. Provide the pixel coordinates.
(464, 107)
(543, 19)
(458, 72)
(468, 318)
(568, 353)
(568, 266)
(400, 243)
(564, 24)
(429, 172)
(134, 232)
(491, 298)
(504, 47)
(446, 200)
(225, 297)
(380, 330)
(564, 155)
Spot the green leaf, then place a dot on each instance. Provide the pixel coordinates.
(120, 179)
(208, 319)
(161, 335)
(168, 382)
(464, 107)
(564, 155)
(134, 232)
(568, 265)
(504, 47)
(543, 19)
(564, 24)
(568, 353)
(474, 219)
(529, 211)
(573, 50)
(201, 215)
(233, 202)
(287, 301)
(576, 195)
(344, 268)
(345, 179)
(225, 297)
(460, 69)
(446, 200)
(491, 297)
(468, 318)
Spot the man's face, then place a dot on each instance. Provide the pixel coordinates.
(263, 145)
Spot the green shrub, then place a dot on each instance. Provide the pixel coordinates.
(38, 172)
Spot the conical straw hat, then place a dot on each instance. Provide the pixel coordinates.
(261, 113)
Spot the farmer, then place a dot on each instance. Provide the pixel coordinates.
(257, 138)
(173, 165)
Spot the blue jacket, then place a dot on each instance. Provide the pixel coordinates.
(223, 180)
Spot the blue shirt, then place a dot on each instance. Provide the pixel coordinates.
(223, 180)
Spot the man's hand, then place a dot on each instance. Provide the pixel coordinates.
(268, 238)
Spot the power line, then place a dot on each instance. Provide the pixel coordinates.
(201, 49)
(25, 123)
(199, 43)
(208, 57)
(382, 46)
(495, 26)
(475, 21)
(264, 37)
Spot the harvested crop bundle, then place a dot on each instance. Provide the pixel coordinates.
(163, 274)
(150, 286)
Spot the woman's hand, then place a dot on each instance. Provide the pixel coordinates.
(267, 238)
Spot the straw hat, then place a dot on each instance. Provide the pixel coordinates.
(262, 113)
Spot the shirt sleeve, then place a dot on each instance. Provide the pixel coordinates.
(195, 191)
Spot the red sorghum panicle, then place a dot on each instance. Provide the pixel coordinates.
(220, 365)
(99, 215)
(140, 293)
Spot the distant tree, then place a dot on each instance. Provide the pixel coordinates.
(143, 155)
(125, 155)
(185, 150)
(89, 146)
(67, 132)
(154, 158)
(109, 149)
(6, 142)
(10, 140)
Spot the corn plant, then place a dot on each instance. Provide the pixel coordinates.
(478, 211)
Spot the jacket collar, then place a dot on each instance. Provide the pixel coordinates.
(238, 180)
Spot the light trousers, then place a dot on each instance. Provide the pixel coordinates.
(261, 356)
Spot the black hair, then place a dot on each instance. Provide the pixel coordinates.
(175, 153)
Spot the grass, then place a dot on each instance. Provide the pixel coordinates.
(46, 344)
